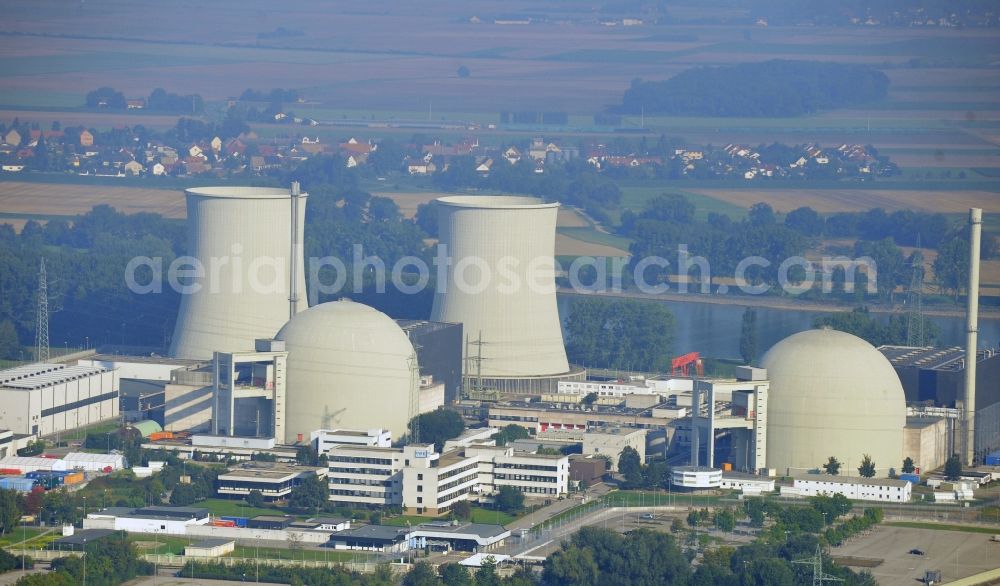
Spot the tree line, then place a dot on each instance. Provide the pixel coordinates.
(776, 88)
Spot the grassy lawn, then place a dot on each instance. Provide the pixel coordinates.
(944, 527)
(401, 520)
(639, 498)
(273, 553)
(20, 534)
(595, 237)
(234, 508)
(491, 517)
(161, 544)
(634, 197)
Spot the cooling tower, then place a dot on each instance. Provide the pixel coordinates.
(242, 239)
(500, 285)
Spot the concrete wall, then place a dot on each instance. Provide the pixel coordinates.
(187, 407)
(250, 535)
(926, 444)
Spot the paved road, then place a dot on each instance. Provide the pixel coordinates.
(9, 578)
(546, 513)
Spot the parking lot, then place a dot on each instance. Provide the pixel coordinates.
(954, 553)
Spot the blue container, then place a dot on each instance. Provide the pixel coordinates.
(17, 483)
(911, 478)
(46, 474)
(240, 521)
(992, 459)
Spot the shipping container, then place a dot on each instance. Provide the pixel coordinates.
(17, 483)
(10, 471)
(161, 435)
(239, 521)
(992, 459)
(727, 467)
(911, 478)
(222, 523)
(73, 478)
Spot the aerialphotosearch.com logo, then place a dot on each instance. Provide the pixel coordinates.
(509, 275)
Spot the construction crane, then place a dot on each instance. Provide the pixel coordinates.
(681, 365)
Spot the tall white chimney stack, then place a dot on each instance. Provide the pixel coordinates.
(971, 339)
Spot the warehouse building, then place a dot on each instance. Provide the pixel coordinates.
(475, 537)
(148, 384)
(936, 377)
(274, 480)
(888, 490)
(43, 399)
(79, 539)
(154, 519)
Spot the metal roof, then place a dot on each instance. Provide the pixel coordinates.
(147, 427)
(88, 457)
(37, 376)
(930, 358)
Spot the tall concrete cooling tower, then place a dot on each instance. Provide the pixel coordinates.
(242, 237)
(500, 285)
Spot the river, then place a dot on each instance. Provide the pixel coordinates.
(714, 329)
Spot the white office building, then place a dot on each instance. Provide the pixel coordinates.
(424, 481)
(695, 477)
(746, 483)
(43, 399)
(855, 488)
(433, 482)
(365, 475)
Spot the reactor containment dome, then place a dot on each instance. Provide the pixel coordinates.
(832, 394)
(241, 240)
(500, 285)
(349, 366)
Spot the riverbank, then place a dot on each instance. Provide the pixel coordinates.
(783, 303)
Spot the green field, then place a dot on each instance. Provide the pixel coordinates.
(20, 534)
(235, 508)
(634, 197)
(945, 527)
(160, 544)
(588, 234)
(322, 555)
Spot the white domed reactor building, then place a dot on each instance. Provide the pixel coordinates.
(242, 237)
(349, 365)
(500, 286)
(832, 394)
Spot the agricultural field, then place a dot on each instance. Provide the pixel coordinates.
(355, 61)
(848, 200)
(42, 201)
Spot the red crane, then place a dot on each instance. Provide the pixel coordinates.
(682, 364)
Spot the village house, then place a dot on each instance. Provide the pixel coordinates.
(86, 138)
(421, 166)
(134, 168)
(13, 137)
